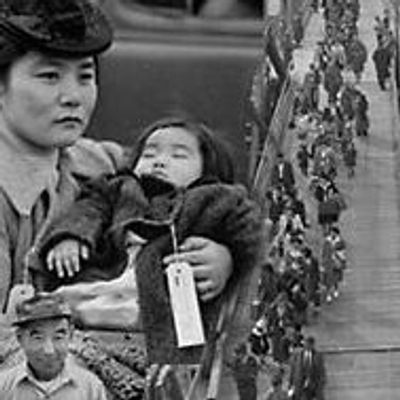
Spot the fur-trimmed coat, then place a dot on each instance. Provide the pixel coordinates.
(114, 205)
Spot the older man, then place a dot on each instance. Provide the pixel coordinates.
(44, 331)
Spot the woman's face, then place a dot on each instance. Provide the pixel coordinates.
(46, 102)
(172, 154)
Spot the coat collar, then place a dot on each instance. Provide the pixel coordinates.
(69, 374)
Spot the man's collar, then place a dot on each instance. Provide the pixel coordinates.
(68, 375)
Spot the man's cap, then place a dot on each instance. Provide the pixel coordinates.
(67, 28)
(41, 306)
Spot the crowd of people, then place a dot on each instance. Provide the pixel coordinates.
(49, 87)
(302, 276)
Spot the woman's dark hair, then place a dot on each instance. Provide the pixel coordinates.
(8, 54)
(217, 159)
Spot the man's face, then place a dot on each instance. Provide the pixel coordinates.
(47, 102)
(45, 344)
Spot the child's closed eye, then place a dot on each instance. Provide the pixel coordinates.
(148, 153)
(180, 154)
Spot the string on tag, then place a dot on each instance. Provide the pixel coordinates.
(25, 271)
(175, 247)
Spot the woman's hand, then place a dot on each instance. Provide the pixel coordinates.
(211, 262)
(64, 258)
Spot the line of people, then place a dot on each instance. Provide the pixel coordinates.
(300, 275)
(385, 48)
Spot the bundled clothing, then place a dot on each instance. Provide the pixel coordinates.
(113, 205)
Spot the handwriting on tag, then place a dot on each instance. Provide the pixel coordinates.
(185, 305)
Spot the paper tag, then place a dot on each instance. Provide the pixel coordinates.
(185, 305)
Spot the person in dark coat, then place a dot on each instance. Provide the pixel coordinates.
(381, 57)
(311, 278)
(299, 207)
(333, 262)
(276, 205)
(283, 174)
(280, 317)
(311, 83)
(356, 55)
(307, 376)
(303, 158)
(180, 184)
(360, 107)
(329, 209)
(298, 28)
(333, 81)
(350, 158)
(245, 369)
(298, 298)
(346, 97)
(268, 287)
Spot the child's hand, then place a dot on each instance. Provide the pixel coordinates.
(64, 258)
(211, 261)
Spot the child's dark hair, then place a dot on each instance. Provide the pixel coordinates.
(217, 160)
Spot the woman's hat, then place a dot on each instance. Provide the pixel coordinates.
(70, 28)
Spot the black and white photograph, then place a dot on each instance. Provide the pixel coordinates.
(199, 199)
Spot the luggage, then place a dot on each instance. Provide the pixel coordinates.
(111, 304)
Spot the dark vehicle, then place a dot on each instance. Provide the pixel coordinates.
(169, 59)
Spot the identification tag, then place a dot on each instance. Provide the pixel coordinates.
(185, 305)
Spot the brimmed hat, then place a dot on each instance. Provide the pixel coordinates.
(41, 306)
(61, 27)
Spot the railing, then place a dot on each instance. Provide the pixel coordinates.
(205, 385)
(274, 139)
(362, 349)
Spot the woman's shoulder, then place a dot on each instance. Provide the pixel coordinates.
(91, 158)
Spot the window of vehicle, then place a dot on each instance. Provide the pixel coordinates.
(208, 8)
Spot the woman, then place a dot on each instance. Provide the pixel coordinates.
(48, 91)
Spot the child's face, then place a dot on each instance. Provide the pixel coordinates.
(172, 154)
